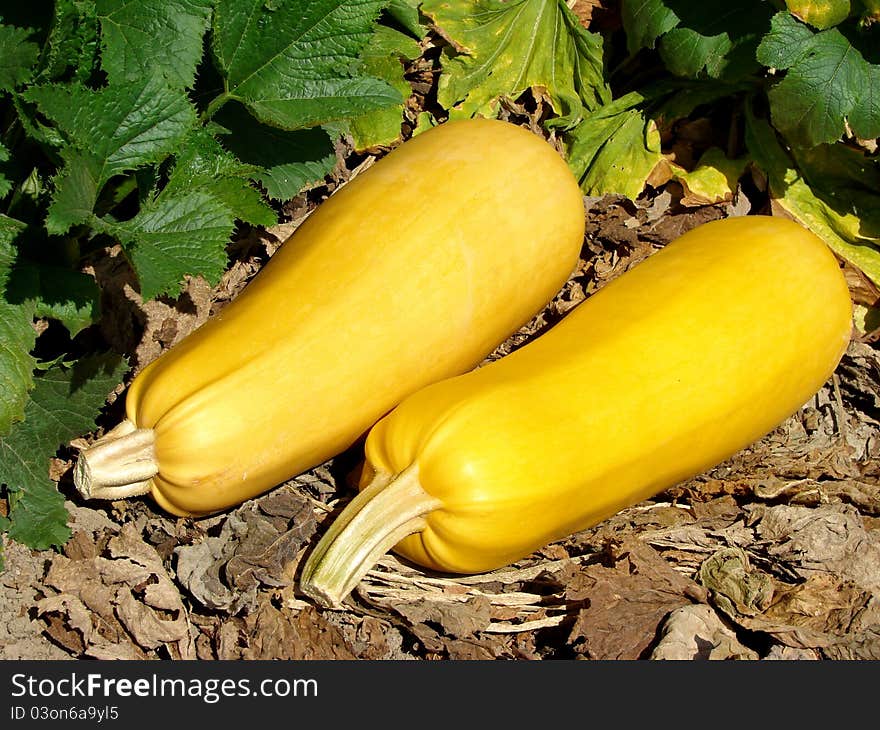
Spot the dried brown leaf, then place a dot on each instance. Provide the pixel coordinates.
(279, 633)
(258, 545)
(455, 620)
(697, 632)
(836, 618)
(863, 495)
(789, 653)
(625, 603)
(829, 538)
(121, 603)
(824, 611)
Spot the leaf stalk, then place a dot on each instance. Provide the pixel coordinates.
(381, 515)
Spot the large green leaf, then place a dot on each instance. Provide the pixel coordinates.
(110, 131)
(62, 405)
(295, 64)
(712, 38)
(827, 83)
(17, 56)
(124, 126)
(142, 37)
(501, 49)
(203, 164)
(179, 232)
(285, 161)
(17, 336)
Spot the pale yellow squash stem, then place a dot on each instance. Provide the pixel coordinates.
(379, 517)
(118, 465)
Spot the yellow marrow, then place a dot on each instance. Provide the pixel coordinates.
(692, 355)
(412, 272)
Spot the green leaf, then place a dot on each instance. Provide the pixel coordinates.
(17, 56)
(285, 161)
(124, 126)
(615, 148)
(5, 182)
(10, 229)
(406, 14)
(424, 122)
(787, 43)
(55, 292)
(17, 336)
(295, 65)
(178, 233)
(142, 37)
(110, 131)
(72, 47)
(502, 49)
(832, 189)
(62, 405)
(202, 164)
(383, 58)
(76, 190)
(864, 117)
(645, 21)
(828, 82)
(713, 38)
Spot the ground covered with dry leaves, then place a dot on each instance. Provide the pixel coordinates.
(774, 554)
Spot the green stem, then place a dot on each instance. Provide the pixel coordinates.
(215, 104)
(386, 511)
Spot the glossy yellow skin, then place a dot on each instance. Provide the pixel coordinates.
(412, 272)
(692, 355)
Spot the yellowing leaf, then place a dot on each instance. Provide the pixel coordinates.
(615, 148)
(382, 58)
(502, 49)
(866, 319)
(713, 180)
(811, 193)
(820, 14)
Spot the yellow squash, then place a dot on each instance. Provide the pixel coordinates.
(412, 272)
(692, 355)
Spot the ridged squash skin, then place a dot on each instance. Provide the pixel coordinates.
(692, 355)
(412, 272)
